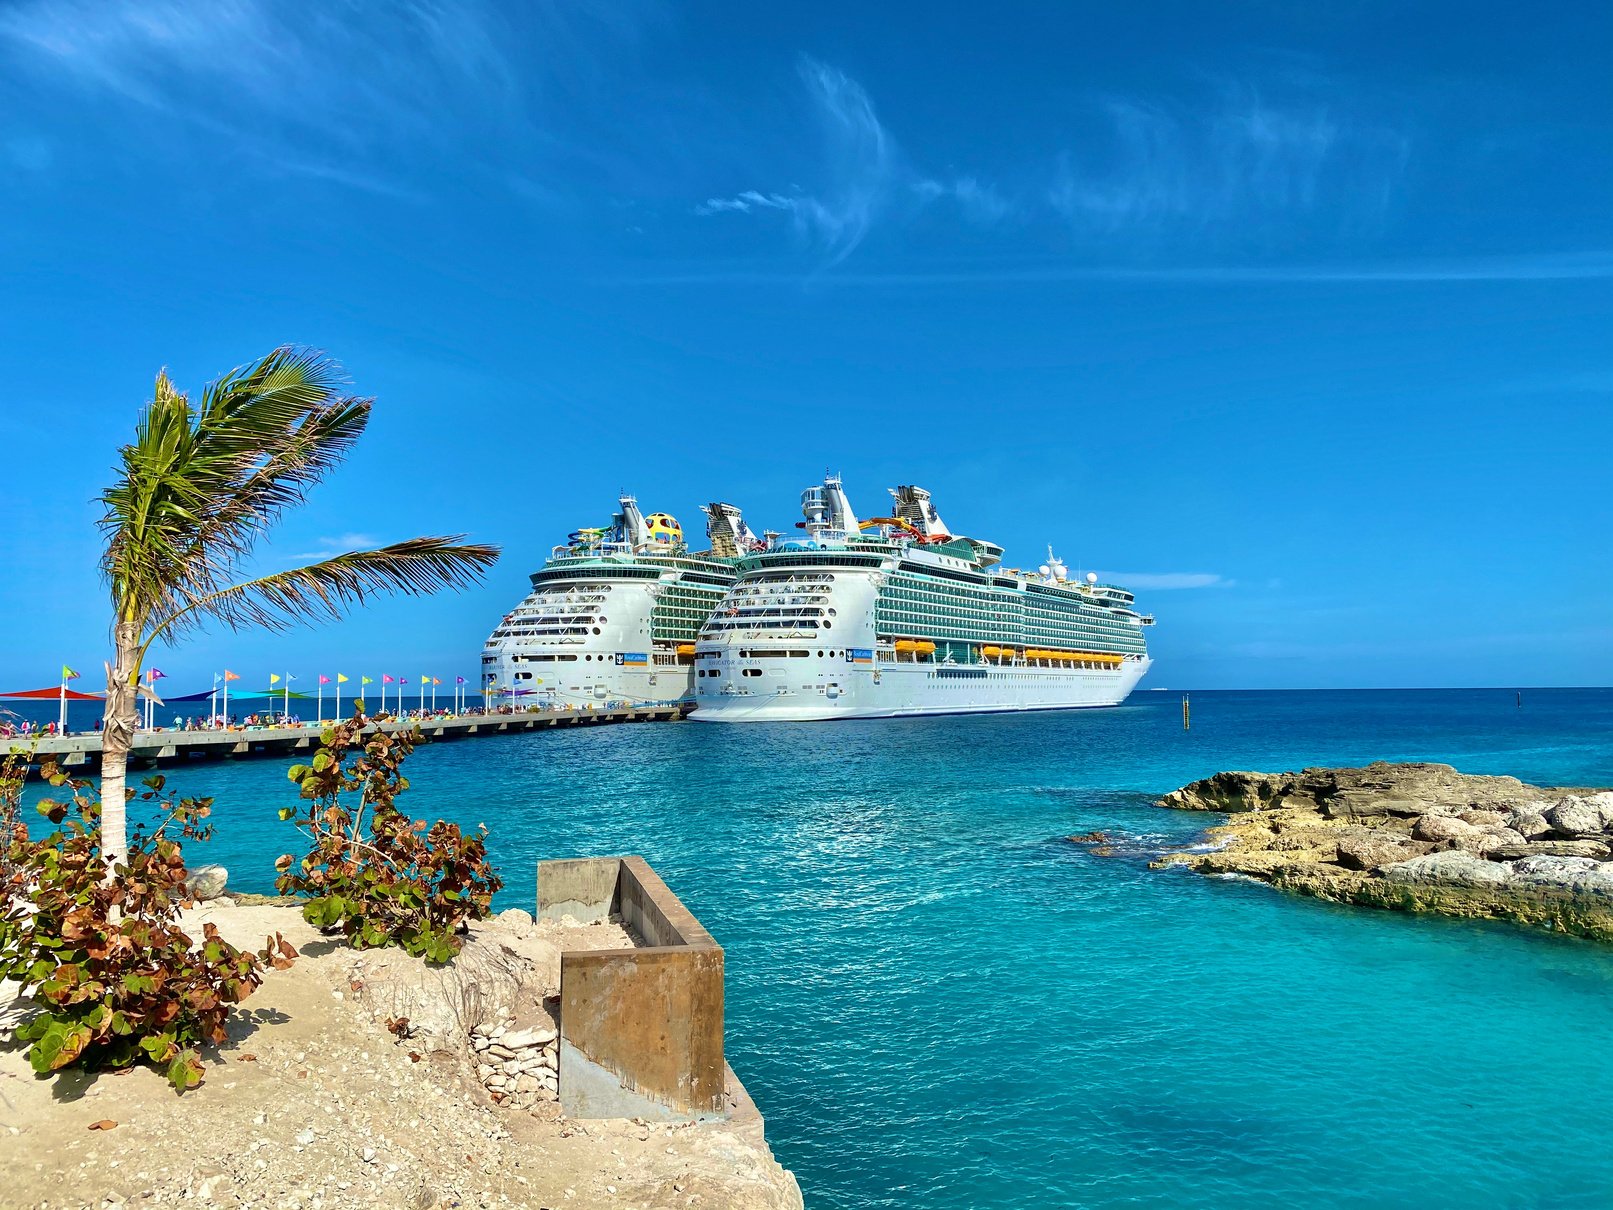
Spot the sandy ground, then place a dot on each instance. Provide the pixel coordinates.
(313, 1104)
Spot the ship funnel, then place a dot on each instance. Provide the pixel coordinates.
(629, 524)
(913, 506)
(730, 536)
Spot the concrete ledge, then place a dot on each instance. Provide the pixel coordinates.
(641, 1030)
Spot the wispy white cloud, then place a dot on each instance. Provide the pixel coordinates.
(1158, 581)
(1553, 266)
(1243, 161)
(326, 92)
(859, 168)
(339, 544)
(1241, 165)
(863, 174)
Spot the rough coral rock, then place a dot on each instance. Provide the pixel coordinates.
(206, 882)
(1575, 818)
(1416, 837)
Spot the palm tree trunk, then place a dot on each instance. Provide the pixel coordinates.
(117, 737)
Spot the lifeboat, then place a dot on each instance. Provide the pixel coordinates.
(917, 646)
(993, 653)
(685, 648)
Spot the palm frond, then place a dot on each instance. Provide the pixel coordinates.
(200, 485)
(323, 591)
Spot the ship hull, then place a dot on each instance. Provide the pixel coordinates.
(917, 689)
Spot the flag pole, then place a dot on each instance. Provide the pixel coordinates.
(320, 709)
(225, 712)
(212, 702)
(338, 697)
(61, 725)
(285, 702)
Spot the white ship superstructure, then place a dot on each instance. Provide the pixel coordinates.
(614, 613)
(896, 616)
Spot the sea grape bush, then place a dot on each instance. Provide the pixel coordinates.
(117, 979)
(372, 872)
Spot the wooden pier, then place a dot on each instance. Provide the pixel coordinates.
(153, 748)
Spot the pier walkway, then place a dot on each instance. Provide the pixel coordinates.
(166, 746)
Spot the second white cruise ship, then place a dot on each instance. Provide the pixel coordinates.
(895, 616)
(614, 613)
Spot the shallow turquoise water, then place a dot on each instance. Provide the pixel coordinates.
(937, 1002)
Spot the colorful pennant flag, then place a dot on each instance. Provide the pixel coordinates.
(155, 674)
(274, 678)
(324, 680)
(342, 680)
(68, 674)
(386, 680)
(459, 680)
(231, 676)
(364, 680)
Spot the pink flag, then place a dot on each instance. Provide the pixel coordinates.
(386, 680)
(324, 680)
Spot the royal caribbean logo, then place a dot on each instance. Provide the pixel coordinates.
(632, 659)
(859, 655)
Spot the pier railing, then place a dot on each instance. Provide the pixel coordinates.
(163, 747)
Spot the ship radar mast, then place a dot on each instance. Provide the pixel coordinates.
(1053, 571)
(828, 512)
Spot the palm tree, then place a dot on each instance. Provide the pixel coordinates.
(198, 487)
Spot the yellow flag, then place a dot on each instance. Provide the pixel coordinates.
(364, 680)
(274, 678)
(340, 679)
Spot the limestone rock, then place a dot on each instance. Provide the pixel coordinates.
(1582, 875)
(1415, 837)
(1529, 822)
(1484, 819)
(515, 919)
(524, 1038)
(1450, 867)
(206, 882)
(1371, 852)
(1574, 817)
(1550, 848)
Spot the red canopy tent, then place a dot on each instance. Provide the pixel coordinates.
(56, 692)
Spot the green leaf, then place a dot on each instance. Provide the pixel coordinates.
(185, 1071)
(286, 812)
(160, 1048)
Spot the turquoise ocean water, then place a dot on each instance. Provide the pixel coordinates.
(939, 1002)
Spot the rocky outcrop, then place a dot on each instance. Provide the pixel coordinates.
(1416, 837)
(206, 882)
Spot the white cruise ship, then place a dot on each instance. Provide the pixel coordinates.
(614, 613)
(895, 616)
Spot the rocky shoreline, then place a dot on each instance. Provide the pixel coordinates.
(1416, 838)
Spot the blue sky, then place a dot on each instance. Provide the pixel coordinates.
(1295, 317)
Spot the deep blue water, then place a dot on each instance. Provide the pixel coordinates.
(938, 1002)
